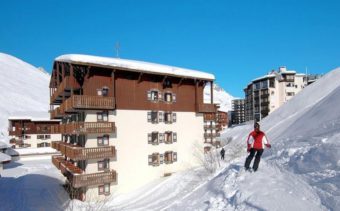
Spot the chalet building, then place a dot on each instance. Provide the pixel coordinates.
(237, 113)
(267, 93)
(125, 123)
(31, 132)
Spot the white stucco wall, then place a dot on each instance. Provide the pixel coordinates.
(131, 143)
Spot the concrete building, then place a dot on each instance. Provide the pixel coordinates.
(125, 123)
(238, 111)
(267, 93)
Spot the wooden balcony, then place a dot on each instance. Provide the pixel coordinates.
(78, 178)
(68, 83)
(56, 145)
(209, 117)
(76, 153)
(88, 102)
(56, 114)
(206, 108)
(83, 180)
(81, 102)
(79, 128)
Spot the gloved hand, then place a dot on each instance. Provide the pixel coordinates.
(248, 148)
(268, 145)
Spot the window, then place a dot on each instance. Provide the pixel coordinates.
(103, 164)
(169, 97)
(105, 91)
(169, 117)
(103, 116)
(153, 116)
(153, 138)
(104, 189)
(40, 137)
(290, 93)
(154, 95)
(103, 141)
(99, 92)
(154, 159)
(168, 137)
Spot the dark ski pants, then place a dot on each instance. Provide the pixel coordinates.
(251, 156)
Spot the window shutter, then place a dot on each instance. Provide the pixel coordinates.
(161, 137)
(173, 98)
(149, 138)
(174, 137)
(174, 156)
(149, 116)
(174, 117)
(161, 159)
(150, 159)
(160, 116)
(149, 95)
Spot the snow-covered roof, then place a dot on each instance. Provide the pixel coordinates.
(134, 66)
(264, 77)
(4, 157)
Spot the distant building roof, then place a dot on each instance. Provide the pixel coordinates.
(134, 66)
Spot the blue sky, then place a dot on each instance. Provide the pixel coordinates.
(235, 40)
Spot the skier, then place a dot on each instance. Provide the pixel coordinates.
(222, 153)
(256, 142)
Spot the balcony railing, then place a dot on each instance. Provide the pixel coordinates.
(88, 102)
(76, 153)
(79, 102)
(209, 116)
(83, 180)
(67, 83)
(78, 178)
(84, 128)
(56, 145)
(206, 108)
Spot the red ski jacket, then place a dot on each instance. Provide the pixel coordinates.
(257, 140)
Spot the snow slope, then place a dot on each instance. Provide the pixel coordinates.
(221, 97)
(23, 88)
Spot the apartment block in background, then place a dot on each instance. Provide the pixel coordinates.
(31, 132)
(238, 111)
(125, 123)
(267, 93)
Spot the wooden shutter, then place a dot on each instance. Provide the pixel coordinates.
(161, 159)
(149, 116)
(174, 156)
(174, 117)
(173, 97)
(161, 137)
(149, 95)
(160, 116)
(160, 96)
(150, 159)
(174, 137)
(149, 138)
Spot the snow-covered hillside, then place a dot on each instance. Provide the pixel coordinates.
(23, 88)
(221, 97)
